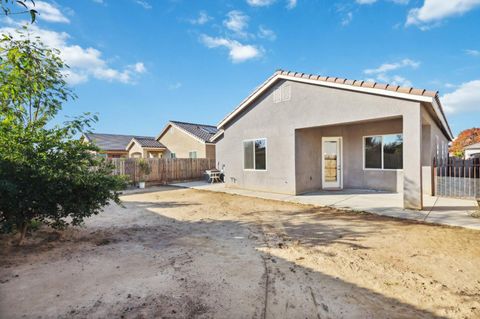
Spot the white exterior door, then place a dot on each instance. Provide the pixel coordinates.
(332, 167)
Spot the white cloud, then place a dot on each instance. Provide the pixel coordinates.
(202, 18)
(83, 62)
(381, 74)
(139, 67)
(347, 18)
(465, 98)
(260, 3)
(291, 4)
(146, 5)
(365, 1)
(75, 78)
(400, 80)
(386, 67)
(237, 22)
(265, 3)
(450, 86)
(265, 33)
(472, 52)
(175, 86)
(48, 12)
(393, 80)
(433, 11)
(361, 2)
(238, 52)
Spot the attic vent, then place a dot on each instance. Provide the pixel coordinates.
(282, 94)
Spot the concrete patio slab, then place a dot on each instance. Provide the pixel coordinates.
(438, 210)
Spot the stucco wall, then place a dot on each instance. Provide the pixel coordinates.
(313, 106)
(115, 154)
(181, 143)
(144, 152)
(308, 161)
(434, 144)
(137, 148)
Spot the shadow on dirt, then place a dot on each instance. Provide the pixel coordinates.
(290, 290)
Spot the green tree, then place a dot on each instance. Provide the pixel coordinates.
(465, 138)
(46, 174)
(10, 7)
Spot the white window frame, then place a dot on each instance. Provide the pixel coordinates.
(379, 169)
(266, 152)
(190, 154)
(173, 155)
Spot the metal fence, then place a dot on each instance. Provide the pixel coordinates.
(163, 170)
(457, 178)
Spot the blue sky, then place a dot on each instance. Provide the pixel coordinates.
(140, 63)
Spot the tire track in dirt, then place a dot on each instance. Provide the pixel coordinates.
(271, 235)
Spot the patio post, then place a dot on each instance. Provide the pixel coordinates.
(412, 159)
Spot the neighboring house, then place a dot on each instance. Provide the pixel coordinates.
(141, 147)
(298, 133)
(113, 145)
(472, 151)
(188, 140)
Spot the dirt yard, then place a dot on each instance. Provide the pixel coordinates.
(178, 253)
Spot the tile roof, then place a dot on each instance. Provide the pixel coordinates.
(149, 142)
(357, 85)
(360, 83)
(201, 131)
(113, 142)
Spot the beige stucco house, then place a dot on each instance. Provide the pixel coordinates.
(188, 140)
(145, 148)
(299, 132)
(115, 145)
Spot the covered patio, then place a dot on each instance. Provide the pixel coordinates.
(438, 210)
(384, 154)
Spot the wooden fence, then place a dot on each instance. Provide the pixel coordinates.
(457, 178)
(163, 170)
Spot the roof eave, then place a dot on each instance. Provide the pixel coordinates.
(217, 135)
(181, 129)
(278, 76)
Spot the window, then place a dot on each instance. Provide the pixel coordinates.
(383, 152)
(192, 154)
(255, 154)
(373, 152)
(173, 155)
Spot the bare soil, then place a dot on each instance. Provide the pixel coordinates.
(178, 253)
